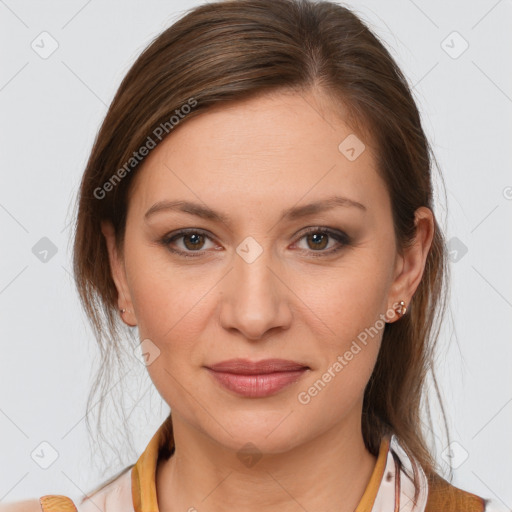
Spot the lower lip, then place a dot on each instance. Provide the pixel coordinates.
(257, 386)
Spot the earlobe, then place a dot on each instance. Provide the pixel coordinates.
(414, 258)
(117, 270)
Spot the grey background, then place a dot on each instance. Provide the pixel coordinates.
(51, 109)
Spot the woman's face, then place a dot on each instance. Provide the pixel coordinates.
(289, 254)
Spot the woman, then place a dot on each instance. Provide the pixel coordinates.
(258, 203)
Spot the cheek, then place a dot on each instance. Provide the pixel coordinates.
(353, 308)
(170, 302)
(347, 355)
(354, 297)
(170, 306)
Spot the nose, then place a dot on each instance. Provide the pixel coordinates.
(255, 298)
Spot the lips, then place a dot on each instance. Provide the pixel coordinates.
(256, 379)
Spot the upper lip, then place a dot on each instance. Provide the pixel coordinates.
(247, 367)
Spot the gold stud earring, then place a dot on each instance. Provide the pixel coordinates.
(401, 309)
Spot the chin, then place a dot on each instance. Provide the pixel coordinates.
(271, 432)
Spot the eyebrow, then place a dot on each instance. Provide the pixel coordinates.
(293, 213)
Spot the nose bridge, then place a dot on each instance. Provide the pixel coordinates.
(255, 275)
(254, 298)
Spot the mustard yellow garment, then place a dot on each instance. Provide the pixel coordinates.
(143, 473)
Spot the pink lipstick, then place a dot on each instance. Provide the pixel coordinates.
(257, 379)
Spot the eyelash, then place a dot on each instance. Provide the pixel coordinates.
(339, 236)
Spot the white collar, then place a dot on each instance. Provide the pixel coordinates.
(398, 482)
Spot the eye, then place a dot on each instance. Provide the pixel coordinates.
(317, 239)
(191, 240)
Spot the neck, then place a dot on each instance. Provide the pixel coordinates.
(328, 473)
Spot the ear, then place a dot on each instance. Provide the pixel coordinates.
(117, 269)
(411, 264)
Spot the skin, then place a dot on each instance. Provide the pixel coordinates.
(250, 160)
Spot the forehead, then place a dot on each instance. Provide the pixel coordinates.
(264, 151)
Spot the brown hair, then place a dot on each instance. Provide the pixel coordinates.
(230, 50)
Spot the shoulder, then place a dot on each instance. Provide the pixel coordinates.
(47, 503)
(445, 497)
(114, 497)
(32, 505)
